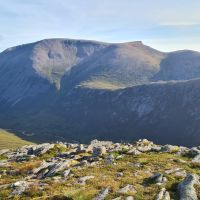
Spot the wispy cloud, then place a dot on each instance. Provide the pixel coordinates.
(180, 24)
(114, 20)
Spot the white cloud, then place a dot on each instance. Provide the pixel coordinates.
(114, 20)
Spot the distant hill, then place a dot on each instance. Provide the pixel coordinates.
(79, 90)
(10, 141)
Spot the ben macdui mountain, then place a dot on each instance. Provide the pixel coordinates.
(80, 90)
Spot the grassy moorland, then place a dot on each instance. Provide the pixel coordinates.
(9, 140)
(126, 169)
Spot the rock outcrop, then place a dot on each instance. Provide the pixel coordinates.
(100, 170)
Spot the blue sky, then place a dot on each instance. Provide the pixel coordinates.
(165, 25)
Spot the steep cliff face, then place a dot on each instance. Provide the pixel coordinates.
(60, 88)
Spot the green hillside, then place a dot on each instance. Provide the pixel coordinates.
(9, 140)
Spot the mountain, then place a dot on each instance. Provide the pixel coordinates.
(79, 90)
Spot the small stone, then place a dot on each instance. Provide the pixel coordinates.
(66, 173)
(99, 151)
(163, 195)
(102, 195)
(109, 159)
(81, 149)
(134, 151)
(19, 187)
(119, 174)
(129, 198)
(170, 149)
(119, 157)
(158, 178)
(128, 188)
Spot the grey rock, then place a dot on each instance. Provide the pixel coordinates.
(119, 174)
(119, 157)
(109, 159)
(196, 159)
(128, 188)
(170, 148)
(163, 195)
(99, 151)
(82, 180)
(178, 172)
(19, 187)
(158, 178)
(102, 195)
(57, 167)
(134, 151)
(186, 187)
(129, 198)
(40, 149)
(81, 149)
(48, 169)
(66, 173)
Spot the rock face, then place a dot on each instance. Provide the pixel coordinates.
(186, 188)
(76, 89)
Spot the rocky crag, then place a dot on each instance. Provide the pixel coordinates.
(100, 170)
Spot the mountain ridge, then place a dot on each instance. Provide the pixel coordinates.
(83, 89)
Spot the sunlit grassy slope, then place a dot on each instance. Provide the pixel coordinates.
(102, 84)
(9, 140)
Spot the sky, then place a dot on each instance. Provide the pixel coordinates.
(166, 25)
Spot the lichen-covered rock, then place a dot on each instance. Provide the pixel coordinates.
(99, 151)
(170, 149)
(48, 169)
(109, 159)
(19, 187)
(40, 149)
(81, 149)
(177, 172)
(196, 159)
(66, 173)
(102, 195)
(163, 195)
(134, 151)
(158, 178)
(186, 187)
(127, 189)
(129, 198)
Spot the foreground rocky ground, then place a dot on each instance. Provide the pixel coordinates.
(100, 170)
